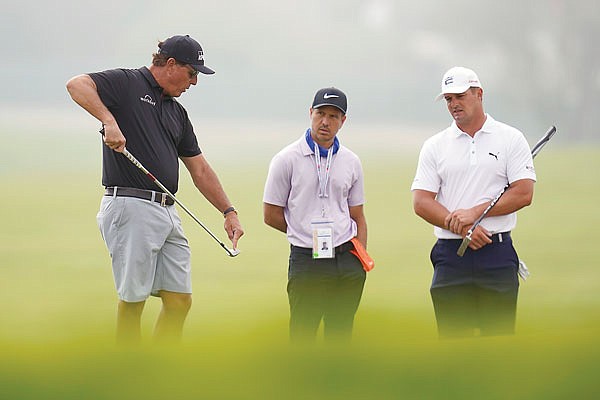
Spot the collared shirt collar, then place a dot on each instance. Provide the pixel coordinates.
(322, 151)
(307, 151)
(152, 81)
(487, 127)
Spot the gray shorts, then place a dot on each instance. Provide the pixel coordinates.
(148, 248)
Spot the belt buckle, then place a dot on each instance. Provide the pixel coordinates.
(163, 199)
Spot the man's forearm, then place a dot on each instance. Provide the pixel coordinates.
(274, 217)
(428, 208)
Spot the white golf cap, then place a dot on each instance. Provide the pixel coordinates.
(458, 80)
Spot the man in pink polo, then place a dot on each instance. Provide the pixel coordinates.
(314, 193)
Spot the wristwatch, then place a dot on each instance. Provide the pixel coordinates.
(228, 210)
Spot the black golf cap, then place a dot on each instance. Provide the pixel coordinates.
(331, 97)
(185, 50)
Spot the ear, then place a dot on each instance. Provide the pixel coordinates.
(171, 62)
(343, 120)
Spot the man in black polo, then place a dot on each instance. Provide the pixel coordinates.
(149, 251)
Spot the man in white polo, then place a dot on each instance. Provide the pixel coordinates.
(460, 170)
(314, 193)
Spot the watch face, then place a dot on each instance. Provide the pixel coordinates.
(228, 210)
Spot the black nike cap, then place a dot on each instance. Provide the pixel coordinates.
(331, 97)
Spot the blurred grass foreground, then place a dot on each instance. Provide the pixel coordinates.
(58, 301)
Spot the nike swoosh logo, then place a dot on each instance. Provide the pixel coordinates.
(330, 96)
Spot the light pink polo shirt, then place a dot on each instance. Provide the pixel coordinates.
(292, 183)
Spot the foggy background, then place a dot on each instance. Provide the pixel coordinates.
(536, 61)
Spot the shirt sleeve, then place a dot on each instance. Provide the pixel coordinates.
(278, 184)
(521, 160)
(427, 177)
(188, 145)
(111, 85)
(356, 194)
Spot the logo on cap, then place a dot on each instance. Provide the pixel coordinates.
(200, 55)
(330, 97)
(449, 80)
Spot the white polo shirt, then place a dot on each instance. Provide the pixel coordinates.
(292, 183)
(465, 171)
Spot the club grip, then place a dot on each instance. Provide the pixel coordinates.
(463, 246)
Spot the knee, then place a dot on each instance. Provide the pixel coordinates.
(177, 302)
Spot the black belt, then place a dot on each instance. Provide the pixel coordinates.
(149, 195)
(500, 237)
(342, 248)
(496, 237)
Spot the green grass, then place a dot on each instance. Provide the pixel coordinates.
(58, 300)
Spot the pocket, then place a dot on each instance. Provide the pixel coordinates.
(101, 215)
(116, 208)
(109, 218)
(301, 263)
(433, 254)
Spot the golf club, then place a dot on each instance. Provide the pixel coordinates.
(534, 152)
(130, 157)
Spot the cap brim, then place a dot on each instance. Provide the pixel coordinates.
(330, 104)
(454, 90)
(203, 68)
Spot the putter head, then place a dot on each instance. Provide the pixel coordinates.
(232, 252)
(463, 246)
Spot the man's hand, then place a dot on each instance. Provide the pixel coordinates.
(113, 137)
(458, 220)
(233, 228)
(479, 238)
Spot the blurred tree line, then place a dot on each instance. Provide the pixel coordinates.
(550, 56)
(536, 58)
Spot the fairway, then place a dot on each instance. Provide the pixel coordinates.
(59, 303)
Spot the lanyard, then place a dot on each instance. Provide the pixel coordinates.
(323, 175)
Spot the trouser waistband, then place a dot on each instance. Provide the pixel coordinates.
(342, 248)
(150, 195)
(496, 237)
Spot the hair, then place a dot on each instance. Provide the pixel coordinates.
(475, 89)
(160, 60)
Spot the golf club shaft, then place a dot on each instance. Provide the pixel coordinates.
(130, 157)
(534, 152)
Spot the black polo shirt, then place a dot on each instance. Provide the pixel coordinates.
(157, 129)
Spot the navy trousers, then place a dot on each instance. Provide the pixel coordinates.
(477, 292)
(323, 289)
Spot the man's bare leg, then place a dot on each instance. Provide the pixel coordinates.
(175, 307)
(129, 322)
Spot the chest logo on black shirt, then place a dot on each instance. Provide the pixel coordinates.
(148, 99)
